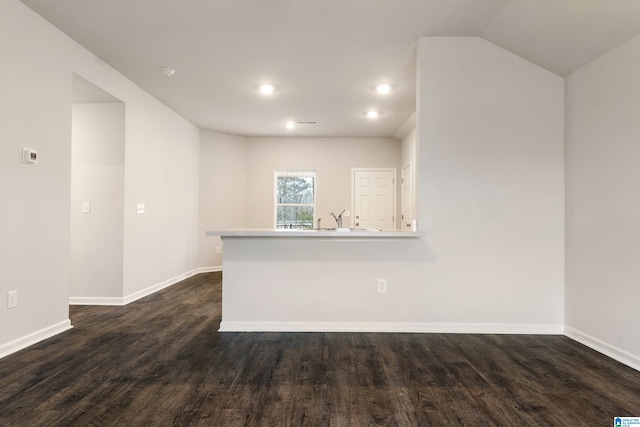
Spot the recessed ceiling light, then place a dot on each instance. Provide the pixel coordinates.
(291, 125)
(168, 71)
(266, 89)
(383, 88)
(372, 114)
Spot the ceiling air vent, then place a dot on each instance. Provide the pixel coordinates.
(306, 122)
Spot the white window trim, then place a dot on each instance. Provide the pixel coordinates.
(293, 172)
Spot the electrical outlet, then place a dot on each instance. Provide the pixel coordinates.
(12, 299)
(382, 286)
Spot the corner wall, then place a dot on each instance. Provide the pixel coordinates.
(603, 208)
(222, 192)
(489, 131)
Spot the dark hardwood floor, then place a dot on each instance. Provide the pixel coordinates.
(160, 361)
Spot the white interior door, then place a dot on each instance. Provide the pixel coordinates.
(407, 198)
(374, 198)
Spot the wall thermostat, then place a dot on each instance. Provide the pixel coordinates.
(29, 156)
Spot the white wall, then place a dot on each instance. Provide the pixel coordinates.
(222, 191)
(161, 169)
(409, 148)
(331, 158)
(490, 184)
(34, 212)
(603, 208)
(409, 157)
(97, 177)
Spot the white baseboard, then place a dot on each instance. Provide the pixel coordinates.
(622, 356)
(213, 269)
(142, 293)
(33, 338)
(155, 288)
(96, 301)
(450, 328)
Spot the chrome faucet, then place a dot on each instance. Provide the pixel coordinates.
(338, 218)
(318, 227)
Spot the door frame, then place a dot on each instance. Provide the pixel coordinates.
(411, 196)
(395, 192)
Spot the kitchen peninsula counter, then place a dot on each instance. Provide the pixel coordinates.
(318, 280)
(313, 233)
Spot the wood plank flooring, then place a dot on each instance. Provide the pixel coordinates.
(161, 362)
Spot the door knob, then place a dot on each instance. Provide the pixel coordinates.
(357, 224)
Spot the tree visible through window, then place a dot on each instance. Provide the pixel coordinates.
(295, 199)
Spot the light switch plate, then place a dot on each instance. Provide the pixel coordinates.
(86, 207)
(140, 208)
(12, 299)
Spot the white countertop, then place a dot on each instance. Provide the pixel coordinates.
(340, 233)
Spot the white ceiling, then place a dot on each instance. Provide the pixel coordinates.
(324, 56)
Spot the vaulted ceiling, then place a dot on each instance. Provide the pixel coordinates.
(324, 57)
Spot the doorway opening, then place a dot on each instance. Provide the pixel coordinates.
(97, 195)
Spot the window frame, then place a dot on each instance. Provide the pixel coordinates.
(293, 173)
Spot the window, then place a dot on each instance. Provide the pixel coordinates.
(295, 199)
